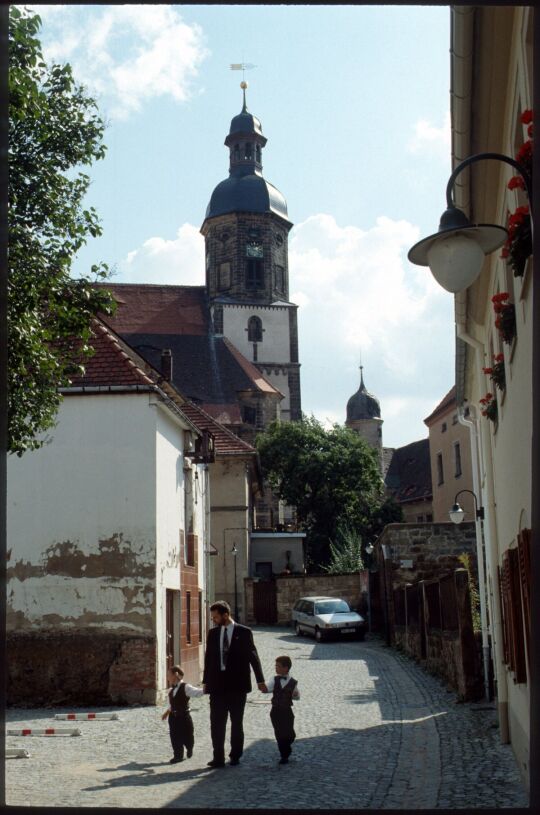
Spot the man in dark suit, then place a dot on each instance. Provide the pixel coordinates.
(230, 651)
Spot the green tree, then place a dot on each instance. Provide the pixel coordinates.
(345, 553)
(54, 129)
(330, 476)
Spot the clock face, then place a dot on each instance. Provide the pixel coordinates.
(224, 237)
(278, 239)
(254, 250)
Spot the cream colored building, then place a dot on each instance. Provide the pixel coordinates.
(450, 455)
(491, 89)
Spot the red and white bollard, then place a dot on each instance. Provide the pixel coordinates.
(47, 731)
(87, 717)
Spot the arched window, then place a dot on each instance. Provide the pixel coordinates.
(248, 150)
(236, 152)
(255, 329)
(258, 152)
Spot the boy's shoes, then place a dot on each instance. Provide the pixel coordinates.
(215, 763)
(283, 761)
(189, 753)
(234, 761)
(175, 760)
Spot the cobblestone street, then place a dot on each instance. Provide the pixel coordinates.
(373, 731)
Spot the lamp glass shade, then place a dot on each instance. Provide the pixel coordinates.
(455, 261)
(456, 514)
(369, 548)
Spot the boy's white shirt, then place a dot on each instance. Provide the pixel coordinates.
(284, 680)
(191, 691)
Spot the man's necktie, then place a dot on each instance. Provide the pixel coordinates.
(225, 645)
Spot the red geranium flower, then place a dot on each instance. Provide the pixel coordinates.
(527, 117)
(516, 182)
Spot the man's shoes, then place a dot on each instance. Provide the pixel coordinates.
(175, 760)
(283, 761)
(234, 762)
(189, 753)
(215, 763)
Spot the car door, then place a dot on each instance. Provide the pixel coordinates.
(308, 616)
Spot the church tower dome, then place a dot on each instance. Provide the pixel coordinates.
(364, 417)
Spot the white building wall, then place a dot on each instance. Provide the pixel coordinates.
(275, 346)
(82, 507)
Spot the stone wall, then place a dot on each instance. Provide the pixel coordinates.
(80, 668)
(350, 587)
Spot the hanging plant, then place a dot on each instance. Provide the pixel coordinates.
(497, 372)
(489, 407)
(518, 246)
(505, 321)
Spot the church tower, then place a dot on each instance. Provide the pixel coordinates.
(246, 231)
(364, 417)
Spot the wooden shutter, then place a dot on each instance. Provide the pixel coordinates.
(513, 615)
(504, 615)
(524, 554)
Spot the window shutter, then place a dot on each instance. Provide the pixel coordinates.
(517, 618)
(524, 553)
(504, 614)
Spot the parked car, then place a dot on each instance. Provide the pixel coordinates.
(323, 617)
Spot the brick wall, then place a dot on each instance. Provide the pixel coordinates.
(80, 668)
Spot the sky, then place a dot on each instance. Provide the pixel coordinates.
(354, 102)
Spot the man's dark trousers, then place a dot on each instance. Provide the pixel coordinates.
(222, 704)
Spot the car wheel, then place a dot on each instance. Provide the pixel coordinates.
(319, 636)
(360, 636)
(297, 630)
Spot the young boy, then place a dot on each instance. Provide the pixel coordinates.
(283, 689)
(180, 721)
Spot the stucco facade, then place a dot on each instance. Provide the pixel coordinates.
(94, 530)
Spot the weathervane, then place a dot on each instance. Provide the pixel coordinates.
(243, 66)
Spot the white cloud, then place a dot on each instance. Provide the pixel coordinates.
(177, 262)
(428, 137)
(126, 54)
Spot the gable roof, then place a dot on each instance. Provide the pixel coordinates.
(226, 442)
(111, 363)
(409, 475)
(158, 309)
(444, 406)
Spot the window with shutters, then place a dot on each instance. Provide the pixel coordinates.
(512, 609)
(524, 556)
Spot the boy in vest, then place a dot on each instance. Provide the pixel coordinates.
(180, 721)
(283, 689)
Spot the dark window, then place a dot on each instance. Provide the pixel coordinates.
(457, 458)
(419, 519)
(443, 428)
(191, 543)
(249, 414)
(237, 152)
(429, 517)
(258, 152)
(254, 274)
(200, 616)
(466, 411)
(255, 329)
(440, 470)
(280, 278)
(264, 570)
(454, 418)
(188, 616)
(249, 150)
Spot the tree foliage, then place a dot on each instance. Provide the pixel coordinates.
(331, 477)
(345, 553)
(54, 129)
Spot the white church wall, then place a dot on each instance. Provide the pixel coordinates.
(275, 346)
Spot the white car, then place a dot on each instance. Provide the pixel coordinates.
(323, 617)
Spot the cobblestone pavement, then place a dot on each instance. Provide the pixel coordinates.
(373, 731)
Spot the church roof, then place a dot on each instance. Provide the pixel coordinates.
(207, 369)
(246, 193)
(408, 477)
(362, 404)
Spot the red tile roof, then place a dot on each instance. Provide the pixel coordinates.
(158, 309)
(225, 441)
(110, 364)
(251, 371)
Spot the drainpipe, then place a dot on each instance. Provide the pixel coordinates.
(480, 546)
(492, 548)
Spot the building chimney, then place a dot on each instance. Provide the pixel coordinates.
(166, 364)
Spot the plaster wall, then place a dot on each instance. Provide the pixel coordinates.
(275, 345)
(82, 520)
(273, 548)
(444, 432)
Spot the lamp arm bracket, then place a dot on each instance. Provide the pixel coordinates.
(480, 156)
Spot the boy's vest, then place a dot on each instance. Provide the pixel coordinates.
(282, 697)
(179, 702)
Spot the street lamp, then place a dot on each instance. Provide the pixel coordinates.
(234, 552)
(456, 252)
(457, 514)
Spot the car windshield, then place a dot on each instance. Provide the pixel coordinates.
(332, 607)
